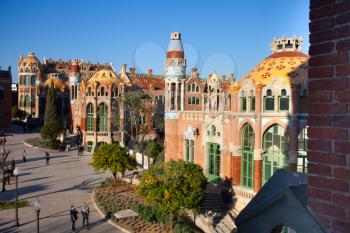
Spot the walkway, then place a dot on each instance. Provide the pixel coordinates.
(68, 180)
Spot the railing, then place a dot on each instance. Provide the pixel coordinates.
(102, 133)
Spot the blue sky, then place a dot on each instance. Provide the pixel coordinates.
(226, 36)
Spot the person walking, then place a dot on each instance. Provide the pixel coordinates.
(47, 157)
(13, 166)
(7, 175)
(73, 216)
(24, 155)
(85, 212)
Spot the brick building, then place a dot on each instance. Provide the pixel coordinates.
(329, 114)
(85, 94)
(239, 130)
(5, 98)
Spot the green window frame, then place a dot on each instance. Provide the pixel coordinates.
(90, 144)
(189, 150)
(102, 121)
(28, 80)
(90, 117)
(269, 102)
(32, 80)
(27, 102)
(275, 147)
(252, 103)
(247, 164)
(283, 101)
(214, 161)
(243, 104)
(302, 161)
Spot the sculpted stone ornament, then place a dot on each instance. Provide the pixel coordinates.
(257, 115)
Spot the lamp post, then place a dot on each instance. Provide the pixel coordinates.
(37, 210)
(16, 173)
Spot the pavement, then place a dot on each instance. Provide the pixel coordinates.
(67, 180)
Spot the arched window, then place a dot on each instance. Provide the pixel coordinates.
(275, 147)
(283, 100)
(26, 101)
(28, 78)
(32, 81)
(189, 150)
(89, 91)
(252, 101)
(90, 117)
(102, 118)
(193, 87)
(102, 91)
(247, 164)
(243, 102)
(212, 130)
(302, 151)
(269, 101)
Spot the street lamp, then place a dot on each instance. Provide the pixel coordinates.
(37, 210)
(16, 173)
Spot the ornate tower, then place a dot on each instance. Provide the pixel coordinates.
(28, 74)
(175, 70)
(74, 80)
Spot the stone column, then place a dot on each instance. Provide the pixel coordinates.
(182, 94)
(258, 139)
(176, 95)
(293, 131)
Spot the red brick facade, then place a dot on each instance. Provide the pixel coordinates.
(5, 99)
(329, 114)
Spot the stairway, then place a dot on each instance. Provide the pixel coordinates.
(213, 202)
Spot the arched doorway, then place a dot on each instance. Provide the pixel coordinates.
(102, 118)
(275, 146)
(247, 160)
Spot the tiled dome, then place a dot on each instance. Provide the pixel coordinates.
(107, 77)
(290, 66)
(57, 83)
(31, 59)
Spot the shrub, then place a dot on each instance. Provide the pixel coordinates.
(12, 204)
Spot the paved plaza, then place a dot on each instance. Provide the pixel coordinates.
(68, 180)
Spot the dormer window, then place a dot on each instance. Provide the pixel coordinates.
(269, 101)
(243, 102)
(252, 101)
(193, 87)
(283, 101)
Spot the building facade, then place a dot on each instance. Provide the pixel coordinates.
(86, 95)
(243, 130)
(5, 98)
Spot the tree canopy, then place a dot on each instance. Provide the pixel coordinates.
(154, 150)
(175, 186)
(53, 127)
(17, 113)
(113, 158)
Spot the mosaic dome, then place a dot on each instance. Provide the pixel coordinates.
(57, 83)
(107, 77)
(31, 59)
(286, 62)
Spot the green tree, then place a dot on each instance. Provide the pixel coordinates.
(17, 113)
(175, 186)
(53, 127)
(154, 150)
(134, 104)
(113, 158)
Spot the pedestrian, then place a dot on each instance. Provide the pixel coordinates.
(7, 175)
(13, 166)
(85, 212)
(4, 140)
(47, 157)
(24, 155)
(73, 216)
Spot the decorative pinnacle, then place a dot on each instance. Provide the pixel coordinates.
(286, 44)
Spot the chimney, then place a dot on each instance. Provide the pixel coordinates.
(132, 70)
(123, 68)
(150, 72)
(194, 72)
